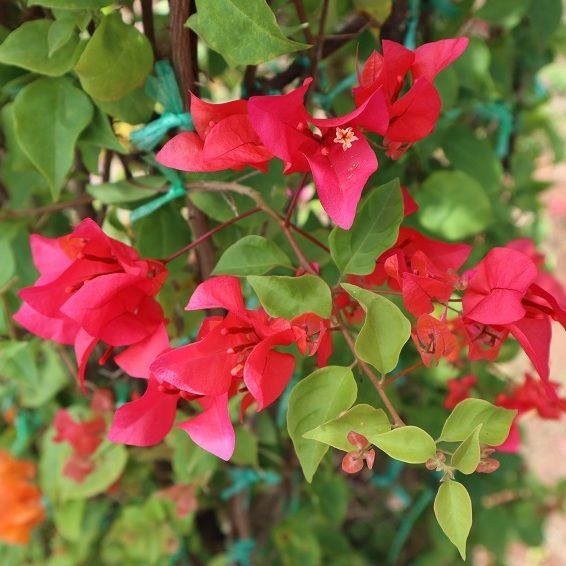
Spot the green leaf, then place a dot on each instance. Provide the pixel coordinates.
(109, 461)
(68, 517)
(454, 205)
(468, 414)
(71, 4)
(49, 115)
(506, 13)
(60, 32)
(467, 456)
(100, 133)
(251, 255)
(363, 419)
(453, 511)
(297, 543)
(374, 231)
(28, 47)
(465, 150)
(407, 444)
(321, 396)
(289, 297)
(134, 108)
(385, 331)
(245, 452)
(162, 232)
(117, 59)
(126, 191)
(244, 32)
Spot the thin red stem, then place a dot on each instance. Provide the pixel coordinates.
(210, 233)
(402, 373)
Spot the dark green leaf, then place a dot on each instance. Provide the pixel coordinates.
(126, 191)
(374, 231)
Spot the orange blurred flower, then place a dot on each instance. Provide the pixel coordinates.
(20, 500)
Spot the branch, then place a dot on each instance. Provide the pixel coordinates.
(350, 28)
(184, 56)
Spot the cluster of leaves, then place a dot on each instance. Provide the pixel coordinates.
(77, 83)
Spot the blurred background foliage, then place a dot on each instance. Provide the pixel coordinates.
(76, 80)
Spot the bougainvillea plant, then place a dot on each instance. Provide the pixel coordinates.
(342, 220)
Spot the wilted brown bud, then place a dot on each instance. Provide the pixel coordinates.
(488, 466)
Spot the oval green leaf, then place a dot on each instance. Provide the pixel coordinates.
(321, 396)
(454, 205)
(385, 331)
(49, 115)
(117, 59)
(289, 297)
(453, 511)
(251, 255)
(244, 32)
(407, 444)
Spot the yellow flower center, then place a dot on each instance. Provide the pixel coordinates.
(346, 137)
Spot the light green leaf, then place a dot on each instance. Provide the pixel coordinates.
(454, 205)
(453, 510)
(468, 414)
(126, 191)
(289, 297)
(244, 32)
(407, 444)
(374, 231)
(68, 517)
(385, 331)
(109, 461)
(251, 255)
(49, 115)
(363, 419)
(117, 59)
(467, 456)
(71, 4)
(321, 396)
(28, 47)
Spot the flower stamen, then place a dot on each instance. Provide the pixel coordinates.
(346, 137)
